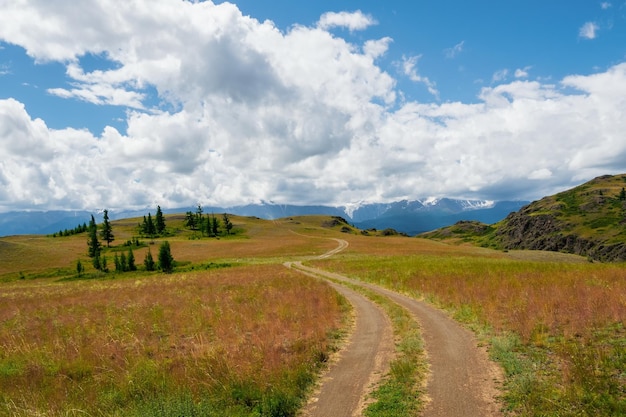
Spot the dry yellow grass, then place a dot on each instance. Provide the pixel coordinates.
(98, 346)
(556, 321)
(109, 345)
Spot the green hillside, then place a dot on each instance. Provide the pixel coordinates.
(588, 220)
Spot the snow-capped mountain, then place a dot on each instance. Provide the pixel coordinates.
(411, 217)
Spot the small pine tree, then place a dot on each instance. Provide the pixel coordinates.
(151, 228)
(92, 243)
(160, 221)
(107, 230)
(215, 226)
(143, 227)
(148, 262)
(622, 194)
(97, 262)
(118, 264)
(227, 224)
(199, 218)
(79, 268)
(131, 260)
(124, 262)
(190, 220)
(103, 264)
(166, 261)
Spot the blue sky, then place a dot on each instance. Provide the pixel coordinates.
(116, 104)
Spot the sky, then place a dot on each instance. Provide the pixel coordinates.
(126, 104)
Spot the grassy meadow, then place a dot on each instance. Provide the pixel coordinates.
(230, 332)
(233, 333)
(555, 322)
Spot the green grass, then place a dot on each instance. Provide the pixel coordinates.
(556, 328)
(554, 325)
(237, 341)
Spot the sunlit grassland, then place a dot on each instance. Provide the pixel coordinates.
(259, 240)
(231, 340)
(246, 339)
(556, 323)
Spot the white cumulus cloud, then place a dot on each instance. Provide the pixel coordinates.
(350, 20)
(247, 112)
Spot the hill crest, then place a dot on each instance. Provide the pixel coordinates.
(587, 220)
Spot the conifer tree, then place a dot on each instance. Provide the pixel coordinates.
(107, 230)
(131, 260)
(79, 268)
(123, 262)
(166, 261)
(199, 219)
(148, 262)
(215, 226)
(97, 262)
(92, 243)
(160, 221)
(151, 229)
(118, 264)
(143, 228)
(190, 220)
(227, 224)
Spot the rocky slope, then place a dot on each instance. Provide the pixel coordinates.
(588, 220)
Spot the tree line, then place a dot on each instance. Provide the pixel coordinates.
(125, 261)
(208, 225)
(81, 228)
(153, 227)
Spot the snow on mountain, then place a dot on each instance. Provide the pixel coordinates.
(408, 216)
(477, 204)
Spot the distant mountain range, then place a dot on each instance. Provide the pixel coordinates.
(410, 217)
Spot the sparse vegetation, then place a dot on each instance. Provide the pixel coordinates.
(588, 220)
(231, 332)
(106, 233)
(556, 327)
(166, 260)
(237, 341)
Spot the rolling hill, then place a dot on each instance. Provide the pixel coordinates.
(587, 220)
(407, 216)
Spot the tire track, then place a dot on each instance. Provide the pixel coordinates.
(364, 359)
(462, 381)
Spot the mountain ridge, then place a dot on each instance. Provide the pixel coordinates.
(406, 216)
(587, 220)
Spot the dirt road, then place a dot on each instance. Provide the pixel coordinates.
(363, 361)
(462, 381)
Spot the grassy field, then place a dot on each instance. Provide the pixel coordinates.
(232, 332)
(555, 322)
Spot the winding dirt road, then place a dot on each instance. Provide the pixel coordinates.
(462, 382)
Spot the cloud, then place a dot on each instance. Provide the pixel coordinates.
(303, 116)
(455, 50)
(522, 72)
(500, 75)
(377, 48)
(588, 30)
(605, 5)
(353, 21)
(409, 68)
